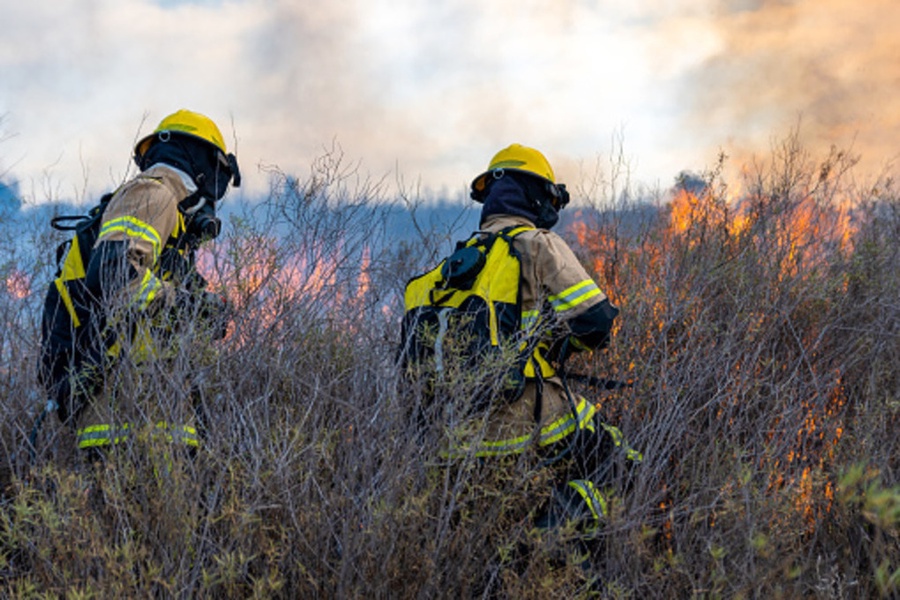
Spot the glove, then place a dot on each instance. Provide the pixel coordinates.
(215, 311)
(208, 308)
(194, 282)
(212, 305)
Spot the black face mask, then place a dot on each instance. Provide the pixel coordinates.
(220, 171)
(522, 195)
(203, 224)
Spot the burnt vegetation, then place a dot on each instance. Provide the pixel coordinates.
(760, 329)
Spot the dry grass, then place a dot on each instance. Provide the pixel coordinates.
(762, 340)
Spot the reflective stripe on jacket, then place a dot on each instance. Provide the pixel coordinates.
(144, 213)
(550, 433)
(554, 286)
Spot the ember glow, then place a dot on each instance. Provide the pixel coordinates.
(18, 284)
(790, 242)
(265, 282)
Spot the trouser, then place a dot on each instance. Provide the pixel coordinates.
(584, 467)
(586, 464)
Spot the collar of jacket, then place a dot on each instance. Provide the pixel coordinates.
(495, 223)
(189, 184)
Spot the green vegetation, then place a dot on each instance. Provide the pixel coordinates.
(760, 325)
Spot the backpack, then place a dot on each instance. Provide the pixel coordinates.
(72, 258)
(66, 303)
(463, 319)
(66, 340)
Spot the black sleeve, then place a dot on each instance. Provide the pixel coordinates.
(591, 328)
(109, 271)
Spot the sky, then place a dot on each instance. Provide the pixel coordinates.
(419, 94)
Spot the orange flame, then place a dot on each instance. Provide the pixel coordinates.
(261, 281)
(797, 234)
(364, 280)
(683, 208)
(18, 284)
(601, 248)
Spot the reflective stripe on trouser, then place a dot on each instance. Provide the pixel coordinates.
(550, 433)
(105, 434)
(593, 499)
(619, 440)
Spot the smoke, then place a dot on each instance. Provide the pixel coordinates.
(10, 199)
(420, 91)
(827, 67)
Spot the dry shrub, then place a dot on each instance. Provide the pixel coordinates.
(759, 369)
(759, 329)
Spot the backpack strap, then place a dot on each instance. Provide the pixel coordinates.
(84, 226)
(513, 230)
(67, 222)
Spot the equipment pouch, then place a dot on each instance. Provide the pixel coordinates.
(462, 268)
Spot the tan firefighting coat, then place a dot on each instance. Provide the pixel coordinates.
(144, 213)
(551, 274)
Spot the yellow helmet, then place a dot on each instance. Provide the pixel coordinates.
(188, 123)
(515, 157)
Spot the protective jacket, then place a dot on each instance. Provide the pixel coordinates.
(557, 296)
(144, 215)
(142, 221)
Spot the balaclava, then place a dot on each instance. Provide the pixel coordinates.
(521, 195)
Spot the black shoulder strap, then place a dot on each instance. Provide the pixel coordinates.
(507, 232)
(78, 224)
(67, 222)
(71, 222)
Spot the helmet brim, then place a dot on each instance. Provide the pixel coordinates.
(480, 185)
(144, 144)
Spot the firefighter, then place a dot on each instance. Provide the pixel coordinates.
(571, 313)
(139, 271)
(562, 311)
